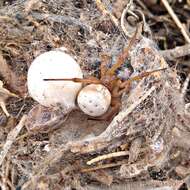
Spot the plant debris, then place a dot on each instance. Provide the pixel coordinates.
(146, 145)
(4, 94)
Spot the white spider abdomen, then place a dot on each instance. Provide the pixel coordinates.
(94, 100)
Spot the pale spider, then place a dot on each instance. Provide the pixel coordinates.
(111, 81)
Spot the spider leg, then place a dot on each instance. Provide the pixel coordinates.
(124, 89)
(139, 77)
(122, 57)
(89, 80)
(116, 89)
(104, 64)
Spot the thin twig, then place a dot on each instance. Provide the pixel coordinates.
(123, 17)
(11, 138)
(172, 54)
(185, 86)
(84, 170)
(176, 20)
(108, 156)
(141, 185)
(3, 106)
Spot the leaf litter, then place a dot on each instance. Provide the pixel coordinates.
(145, 146)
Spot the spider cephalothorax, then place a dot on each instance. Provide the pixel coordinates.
(108, 80)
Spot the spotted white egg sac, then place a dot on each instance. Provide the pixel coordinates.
(94, 100)
(54, 64)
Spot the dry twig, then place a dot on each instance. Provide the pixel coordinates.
(84, 170)
(123, 17)
(142, 185)
(108, 156)
(172, 54)
(176, 20)
(11, 138)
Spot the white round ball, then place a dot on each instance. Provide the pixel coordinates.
(54, 64)
(94, 100)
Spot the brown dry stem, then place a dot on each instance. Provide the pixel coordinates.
(11, 138)
(107, 156)
(177, 52)
(176, 20)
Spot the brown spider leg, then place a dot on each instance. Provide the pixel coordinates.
(90, 80)
(126, 89)
(104, 64)
(139, 77)
(122, 57)
(116, 89)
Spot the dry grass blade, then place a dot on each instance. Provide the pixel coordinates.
(176, 20)
(11, 138)
(172, 54)
(140, 185)
(99, 167)
(107, 156)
